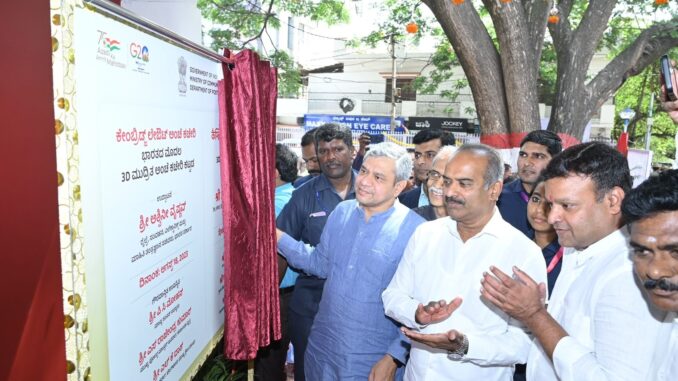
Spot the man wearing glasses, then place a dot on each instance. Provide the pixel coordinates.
(427, 143)
(433, 186)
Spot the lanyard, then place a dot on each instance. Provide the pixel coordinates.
(524, 196)
(554, 261)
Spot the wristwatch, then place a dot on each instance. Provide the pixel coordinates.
(460, 352)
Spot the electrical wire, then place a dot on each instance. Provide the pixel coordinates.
(292, 26)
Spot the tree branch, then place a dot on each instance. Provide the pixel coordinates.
(537, 13)
(234, 7)
(561, 31)
(263, 26)
(593, 25)
(565, 8)
(646, 49)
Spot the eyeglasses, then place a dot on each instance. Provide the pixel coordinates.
(434, 175)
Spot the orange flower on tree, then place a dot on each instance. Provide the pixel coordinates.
(554, 16)
(412, 27)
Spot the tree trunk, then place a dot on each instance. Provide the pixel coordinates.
(504, 83)
(570, 111)
(479, 59)
(519, 66)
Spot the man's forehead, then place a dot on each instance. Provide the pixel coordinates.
(656, 224)
(534, 147)
(572, 186)
(466, 162)
(331, 143)
(431, 145)
(381, 164)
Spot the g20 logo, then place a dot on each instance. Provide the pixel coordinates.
(138, 51)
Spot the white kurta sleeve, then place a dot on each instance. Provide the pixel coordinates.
(398, 301)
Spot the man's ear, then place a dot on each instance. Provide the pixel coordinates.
(399, 186)
(614, 199)
(495, 190)
(277, 174)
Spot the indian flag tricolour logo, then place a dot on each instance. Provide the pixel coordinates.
(111, 45)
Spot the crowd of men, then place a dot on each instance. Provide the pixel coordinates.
(464, 277)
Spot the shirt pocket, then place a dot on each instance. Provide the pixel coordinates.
(313, 228)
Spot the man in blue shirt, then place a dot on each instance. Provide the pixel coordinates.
(427, 143)
(536, 150)
(358, 253)
(270, 361)
(304, 217)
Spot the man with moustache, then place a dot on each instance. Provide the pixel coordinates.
(465, 338)
(536, 150)
(433, 186)
(651, 212)
(427, 143)
(597, 326)
(304, 218)
(358, 253)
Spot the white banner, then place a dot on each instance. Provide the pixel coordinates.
(147, 118)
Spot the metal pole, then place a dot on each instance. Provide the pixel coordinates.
(393, 83)
(650, 121)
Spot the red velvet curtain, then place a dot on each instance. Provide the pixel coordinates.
(32, 341)
(247, 102)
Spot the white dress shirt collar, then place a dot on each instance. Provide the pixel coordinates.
(496, 226)
(600, 248)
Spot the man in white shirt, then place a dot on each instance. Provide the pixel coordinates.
(467, 338)
(651, 212)
(598, 326)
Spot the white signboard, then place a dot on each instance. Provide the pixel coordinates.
(640, 164)
(147, 120)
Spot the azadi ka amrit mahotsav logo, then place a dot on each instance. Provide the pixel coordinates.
(111, 44)
(107, 48)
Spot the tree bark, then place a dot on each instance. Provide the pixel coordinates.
(479, 59)
(576, 100)
(504, 83)
(519, 64)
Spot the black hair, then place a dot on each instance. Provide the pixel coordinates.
(285, 163)
(655, 195)
(308, 138)
(539, 180)
(606, 167)
(423, 136)
(548, 139)
(331, 131)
